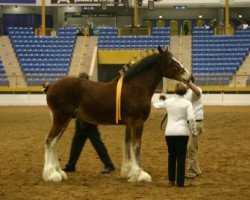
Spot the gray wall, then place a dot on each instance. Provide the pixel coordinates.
(58, 13)
(189, 13)
(25, 10)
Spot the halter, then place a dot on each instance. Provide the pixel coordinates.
(179, 67)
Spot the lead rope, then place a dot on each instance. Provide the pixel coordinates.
(164, 118)
(118, 99)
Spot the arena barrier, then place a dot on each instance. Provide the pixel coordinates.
(208, 99)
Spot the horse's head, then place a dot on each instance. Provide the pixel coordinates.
(172, 68)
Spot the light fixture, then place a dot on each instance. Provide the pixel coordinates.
(200, 16)
(240, 16)
(125, 3)
(104, 5)
(139, 2)
(151, 5)
(116, 2)
(160, 16)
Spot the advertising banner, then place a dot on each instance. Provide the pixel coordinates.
(18, 1)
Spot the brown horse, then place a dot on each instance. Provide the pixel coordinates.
(95, 102)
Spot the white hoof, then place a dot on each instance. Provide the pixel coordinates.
(124, 174)
(144, 177)
(134, 175)
(125, 171)
(64, 175)
(55, 177)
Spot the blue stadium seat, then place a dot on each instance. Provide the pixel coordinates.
(218, 54)
(40, 55)
(108, 39)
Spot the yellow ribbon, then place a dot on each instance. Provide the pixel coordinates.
(118, 99)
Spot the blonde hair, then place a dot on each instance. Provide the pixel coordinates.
(180, 89)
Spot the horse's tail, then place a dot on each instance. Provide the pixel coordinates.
(46, 87)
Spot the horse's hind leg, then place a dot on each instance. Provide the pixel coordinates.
(126, 162)
(137, 174)
(52, 170)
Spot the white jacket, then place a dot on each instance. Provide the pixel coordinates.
(196, 103)
(180, 111)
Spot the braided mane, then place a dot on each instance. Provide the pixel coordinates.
(142, 65)
(139, 64)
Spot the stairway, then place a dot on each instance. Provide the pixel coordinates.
(241, 75)
(82, 56)
(180, 47)
(10, 63)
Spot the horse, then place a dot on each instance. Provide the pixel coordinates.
(95, 102)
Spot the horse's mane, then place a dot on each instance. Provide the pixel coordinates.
(140, 66)
(140, 63)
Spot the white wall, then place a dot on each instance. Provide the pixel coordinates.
(171, 13)
(22, 99)
(241, 1)
(208, 99)
(219, 99)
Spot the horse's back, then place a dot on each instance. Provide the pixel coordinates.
(95, 101)
(75, 92)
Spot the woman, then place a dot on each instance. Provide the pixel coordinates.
(180, 115)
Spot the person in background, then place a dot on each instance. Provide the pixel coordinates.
(206, 26)
(186, 28)
(84, 131)
(180, 112)
(194, 96)
(213, 25)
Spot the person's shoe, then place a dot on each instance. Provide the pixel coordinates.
(69, 168)
(171, 183)
(108, 170)
(180, 185)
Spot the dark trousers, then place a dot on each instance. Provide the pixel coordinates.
(177, 148)
(84, 131)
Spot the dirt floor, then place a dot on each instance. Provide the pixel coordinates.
(224, 156)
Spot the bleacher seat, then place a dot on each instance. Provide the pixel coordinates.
(108, 39)
(217, 54)
(47, 55)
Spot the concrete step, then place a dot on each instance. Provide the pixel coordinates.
(11, 64)
(82, 55)
(242, 74)
(182, 53)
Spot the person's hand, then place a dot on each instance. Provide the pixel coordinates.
(162, 97)
(188, 82)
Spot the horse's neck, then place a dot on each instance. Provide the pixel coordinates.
(149, 79)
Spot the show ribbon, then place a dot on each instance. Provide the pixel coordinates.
(118, 99)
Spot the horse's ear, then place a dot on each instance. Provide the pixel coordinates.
(160, 49)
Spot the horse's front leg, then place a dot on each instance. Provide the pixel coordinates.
(126, 162)
(136, 173)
